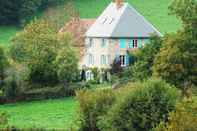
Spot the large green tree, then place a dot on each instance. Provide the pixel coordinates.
(18, 11)
(15, 11)
(177, 60)
(66, 61)
(38, 47)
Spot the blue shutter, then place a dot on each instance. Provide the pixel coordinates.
(126, 59)
(122, 43)
(139, 43)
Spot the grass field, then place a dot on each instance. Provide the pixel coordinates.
(47, 114)
(156, 11)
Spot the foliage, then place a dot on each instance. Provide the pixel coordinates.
(185, 10)
(14, 11)
(58, 15)
(67, 61)
(177, 60)
(19, 11)
(3, 65)
(36, 47)
(141, 108)
(184, 118)
(93, 105)
(3, 119)
(142, 68)
(40, 48)
(116, 68)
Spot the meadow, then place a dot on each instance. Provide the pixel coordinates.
(155, 11)
(47, 114)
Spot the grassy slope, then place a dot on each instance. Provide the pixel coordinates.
(156, 11)
(48, 114)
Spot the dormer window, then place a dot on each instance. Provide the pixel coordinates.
(112, 20)
(104, 21)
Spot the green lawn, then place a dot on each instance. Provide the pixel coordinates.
(156, 11)
(47, 114)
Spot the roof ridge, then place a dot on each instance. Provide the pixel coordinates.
(115, 25)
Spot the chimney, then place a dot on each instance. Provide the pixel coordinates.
(119, 3)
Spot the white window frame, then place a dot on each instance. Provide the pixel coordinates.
(90, 59)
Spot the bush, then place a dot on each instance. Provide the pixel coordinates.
(15, 81)
(93, 105)
(184, 118)
(3, 65)
(3, 119)
(141, 108)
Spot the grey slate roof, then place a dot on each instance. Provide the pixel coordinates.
(124, 22)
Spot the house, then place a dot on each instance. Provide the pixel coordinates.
(118, 30)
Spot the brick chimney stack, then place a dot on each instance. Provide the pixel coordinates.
(119, 3)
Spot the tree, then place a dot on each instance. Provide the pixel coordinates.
(182, 119)
(177, 60)
(140, 108)
(15, 11)
(19, 11)
(48, 56)
(58, 16)
(67, 61)
(37, 47)
(142, 68)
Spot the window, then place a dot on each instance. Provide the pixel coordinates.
(130, 43)
(111, 21)
(103, 60)
(90, 42)
(103, 44)
(135, 44)
(109, 59)
(122, 60)
(90, 59)
(104, 20)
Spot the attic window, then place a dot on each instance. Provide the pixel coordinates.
(111, 20)
(104, 20)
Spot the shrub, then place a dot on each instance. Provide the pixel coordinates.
(142, 108)
(3, 65)
(3, 119)
(15, 81)
(184, 118)
(93, 105)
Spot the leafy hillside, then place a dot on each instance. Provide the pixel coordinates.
(156, 11)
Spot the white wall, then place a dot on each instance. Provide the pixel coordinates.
(110, 49)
